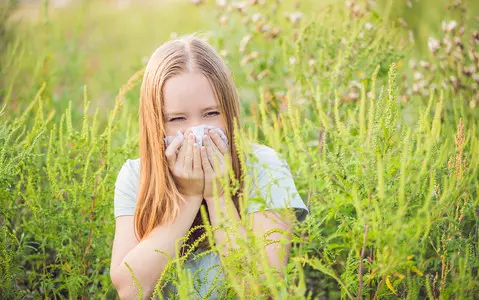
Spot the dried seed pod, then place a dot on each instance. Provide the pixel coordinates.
(424, 64)
(244, 42)
(272, 34)
(224, 52)
(263, 74)
(249, 58)
(475, 37)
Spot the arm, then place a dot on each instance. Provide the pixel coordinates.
(277, 254)
(141, 256)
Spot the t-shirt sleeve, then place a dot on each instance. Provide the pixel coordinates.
(274, 186)
(126, 189)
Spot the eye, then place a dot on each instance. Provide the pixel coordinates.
(213, 113)
(176, 119)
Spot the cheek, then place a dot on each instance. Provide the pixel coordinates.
(172, 128)
(219, 123)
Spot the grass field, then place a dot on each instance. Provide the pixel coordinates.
(374, 105)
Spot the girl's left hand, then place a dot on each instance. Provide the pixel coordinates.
(214, 148)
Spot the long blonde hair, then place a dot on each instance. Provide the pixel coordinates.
(158, 198)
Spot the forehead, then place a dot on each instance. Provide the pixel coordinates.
(188, 92)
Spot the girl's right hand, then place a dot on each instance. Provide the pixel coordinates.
(185, 165)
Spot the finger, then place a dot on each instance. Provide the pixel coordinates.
(196, 159)
(215, 161)
(218, 141)
(170, 153)
(205, 163)
(188, 164)
(182, 151)
(217, 152)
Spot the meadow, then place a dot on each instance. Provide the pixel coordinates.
(374, 105)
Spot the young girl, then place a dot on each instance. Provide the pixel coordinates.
(158, 196)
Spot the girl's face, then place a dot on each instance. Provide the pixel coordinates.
(189, 101)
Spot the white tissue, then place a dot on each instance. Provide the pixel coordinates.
(198, 131)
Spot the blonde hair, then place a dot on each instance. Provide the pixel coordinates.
(158, 198)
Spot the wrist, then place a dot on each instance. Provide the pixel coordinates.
(189, 198)
(211, 199)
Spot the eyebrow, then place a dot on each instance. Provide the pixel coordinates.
(204, 109)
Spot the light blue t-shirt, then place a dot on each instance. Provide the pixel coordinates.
(271, 181)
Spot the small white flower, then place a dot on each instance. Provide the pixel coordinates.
(412, 63)
(223, 19)
(424, 64)
(448, 44)
(353, 94)
(241, 6)
(356, 84)
(292, 60)
(418, 76)
(368, 26)
(256, 17)
(433, 44)
(451, 25)
(265, 28)
(295, 17)
(415, 88)
(422, 84)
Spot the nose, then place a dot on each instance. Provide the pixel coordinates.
(197, 122)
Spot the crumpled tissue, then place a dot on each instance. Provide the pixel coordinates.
(198, 131)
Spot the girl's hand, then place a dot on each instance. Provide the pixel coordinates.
(214, 149)
(185, 165)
